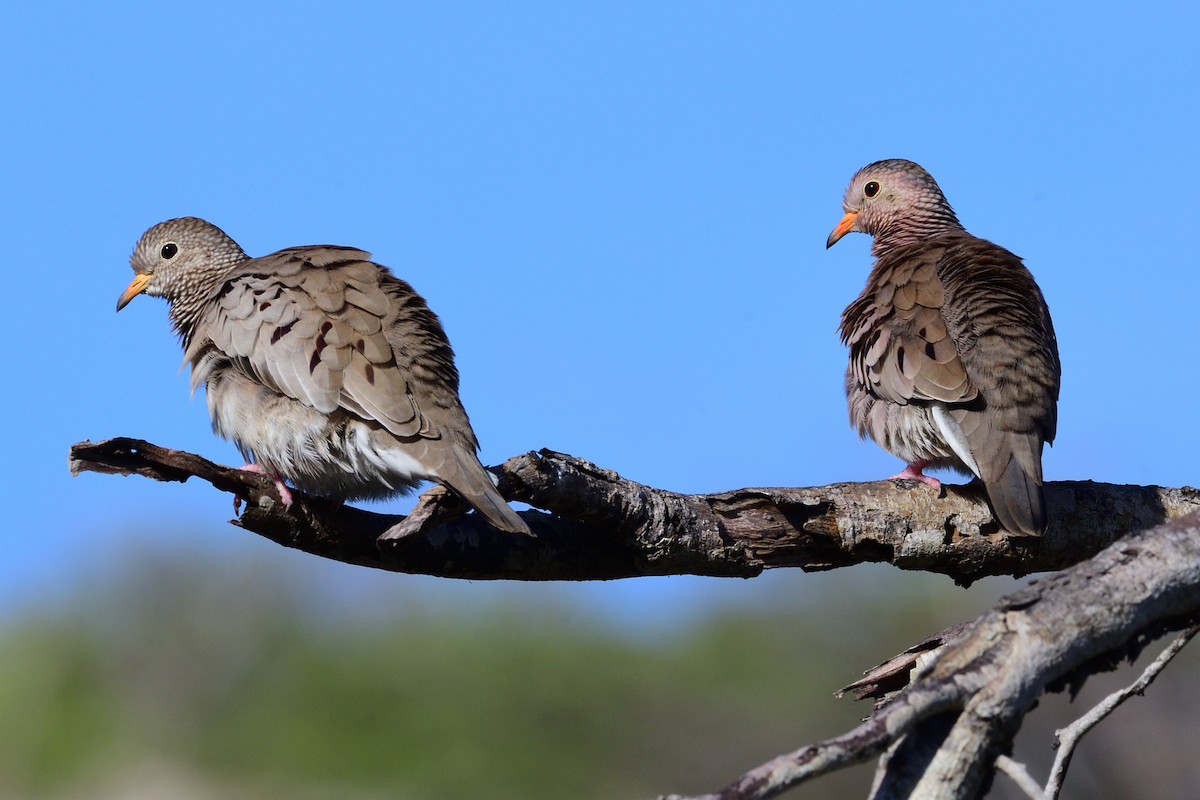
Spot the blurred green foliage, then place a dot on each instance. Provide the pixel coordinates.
(196, 679)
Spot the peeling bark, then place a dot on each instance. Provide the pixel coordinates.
(602, 526)
(947, 709)
(967, 698)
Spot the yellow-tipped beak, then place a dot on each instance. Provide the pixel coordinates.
(842, 228)
(136, 287)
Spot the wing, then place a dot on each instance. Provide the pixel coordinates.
(959, 323)
(997, 314)
(312, 323)
(901, 348)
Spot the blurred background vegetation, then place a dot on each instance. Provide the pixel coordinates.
(160, 676)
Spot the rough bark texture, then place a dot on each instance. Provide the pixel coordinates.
(948, 708)
(967, 698)
(602, 526)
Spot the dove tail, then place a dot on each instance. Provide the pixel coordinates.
(1018, 501)
(477, 487)
(499, 513)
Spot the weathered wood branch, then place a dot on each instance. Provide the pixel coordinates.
(1067, 739)
(603, 526)
(950, 706)
(940, 736)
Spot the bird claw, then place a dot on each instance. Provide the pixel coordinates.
(913, 472)
(285, 494)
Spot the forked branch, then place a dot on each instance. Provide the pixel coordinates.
(601, 525)
(951, 704)
(941, 736)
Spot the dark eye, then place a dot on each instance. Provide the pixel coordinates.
(871, 189)
(169, 250)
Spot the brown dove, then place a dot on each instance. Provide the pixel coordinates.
(953, 359)
(324, 368)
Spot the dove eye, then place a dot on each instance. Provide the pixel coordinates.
(169, 250)
(871, 189)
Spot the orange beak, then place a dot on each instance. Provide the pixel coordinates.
(841, 229)
(136, 287)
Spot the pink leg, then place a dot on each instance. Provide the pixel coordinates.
(913, 473)
(284, 493)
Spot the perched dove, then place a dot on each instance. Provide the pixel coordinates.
(953, 360)
(324, 368)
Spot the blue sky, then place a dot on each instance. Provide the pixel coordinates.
(619, 212)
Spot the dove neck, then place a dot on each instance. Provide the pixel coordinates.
(188, 305)
(915, 229)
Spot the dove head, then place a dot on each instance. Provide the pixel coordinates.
(181, 260)
(897, 202)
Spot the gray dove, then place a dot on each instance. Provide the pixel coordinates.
(324, 368)
(953, 359)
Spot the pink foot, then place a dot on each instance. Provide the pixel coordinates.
(285, 494)
(913, 473)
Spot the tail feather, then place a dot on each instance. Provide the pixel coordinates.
(1018, 501)
(499, 513)
(476, 485)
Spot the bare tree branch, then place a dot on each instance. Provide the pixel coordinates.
(1020, 776)
(1067, 739)
(603, 526)
(947, 729)
(968, 688)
